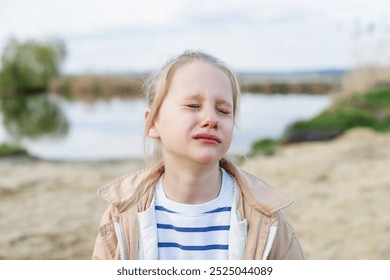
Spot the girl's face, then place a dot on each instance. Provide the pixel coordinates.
(195, 122)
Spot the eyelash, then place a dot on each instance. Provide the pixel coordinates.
(224, 112)
(196, 106)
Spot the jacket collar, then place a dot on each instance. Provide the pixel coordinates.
(137, 188)
(258, 193)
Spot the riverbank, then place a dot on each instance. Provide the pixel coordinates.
(341, 190)
(49, 210)
(89, 87)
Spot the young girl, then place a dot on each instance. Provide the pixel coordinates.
(194, 204)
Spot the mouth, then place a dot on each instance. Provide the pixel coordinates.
(207, 138)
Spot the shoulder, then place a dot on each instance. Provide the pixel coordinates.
(257, 192)
(129, 188)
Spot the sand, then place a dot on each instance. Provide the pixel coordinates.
(342, 194)
(50, 210)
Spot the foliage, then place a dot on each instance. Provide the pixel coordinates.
(371, 109)
(361, 110)
(30, 65)
(91, 87)
(10, 149)
(32, 117)
(265, 146)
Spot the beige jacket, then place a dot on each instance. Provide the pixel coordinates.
(258, 229)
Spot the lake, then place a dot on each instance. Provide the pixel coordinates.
(58, 129)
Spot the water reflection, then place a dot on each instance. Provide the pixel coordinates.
(32, 117)
(113, 129)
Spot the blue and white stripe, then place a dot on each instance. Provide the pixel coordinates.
(194, 231)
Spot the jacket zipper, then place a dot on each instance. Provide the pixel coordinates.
(270, 241)
(119, 238)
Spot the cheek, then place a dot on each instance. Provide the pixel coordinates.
(230, 135)
(229, 127)
(171, 123)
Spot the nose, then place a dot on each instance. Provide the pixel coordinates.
(209, 120)
(211, 124)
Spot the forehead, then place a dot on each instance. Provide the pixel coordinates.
(200, 77)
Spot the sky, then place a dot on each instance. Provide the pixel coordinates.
(121, 36)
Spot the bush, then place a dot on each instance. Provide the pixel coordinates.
(369, 110)
(9, 149)
(265, 146)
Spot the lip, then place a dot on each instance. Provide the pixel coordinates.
(207, 138)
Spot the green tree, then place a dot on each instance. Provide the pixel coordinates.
(32, 117)
(30, 65)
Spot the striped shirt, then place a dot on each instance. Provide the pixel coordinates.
(194, 231)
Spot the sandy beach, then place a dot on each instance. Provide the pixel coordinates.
(50, 210)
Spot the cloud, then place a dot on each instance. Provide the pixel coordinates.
(117, 35)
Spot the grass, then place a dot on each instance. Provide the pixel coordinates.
(266, 146)
(371, 110)
(364, 110)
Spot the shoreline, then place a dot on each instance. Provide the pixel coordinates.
(27, 157)
(50, 209)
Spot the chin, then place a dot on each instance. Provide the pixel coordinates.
(208, 159)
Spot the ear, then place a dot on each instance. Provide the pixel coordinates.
(153, 131)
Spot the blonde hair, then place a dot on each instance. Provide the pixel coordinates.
(157, 86)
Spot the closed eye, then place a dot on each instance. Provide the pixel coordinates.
(223, 111)
(194, 106)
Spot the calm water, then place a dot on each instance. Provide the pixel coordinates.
(113, 129)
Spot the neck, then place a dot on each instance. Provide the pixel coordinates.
(191, 184)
